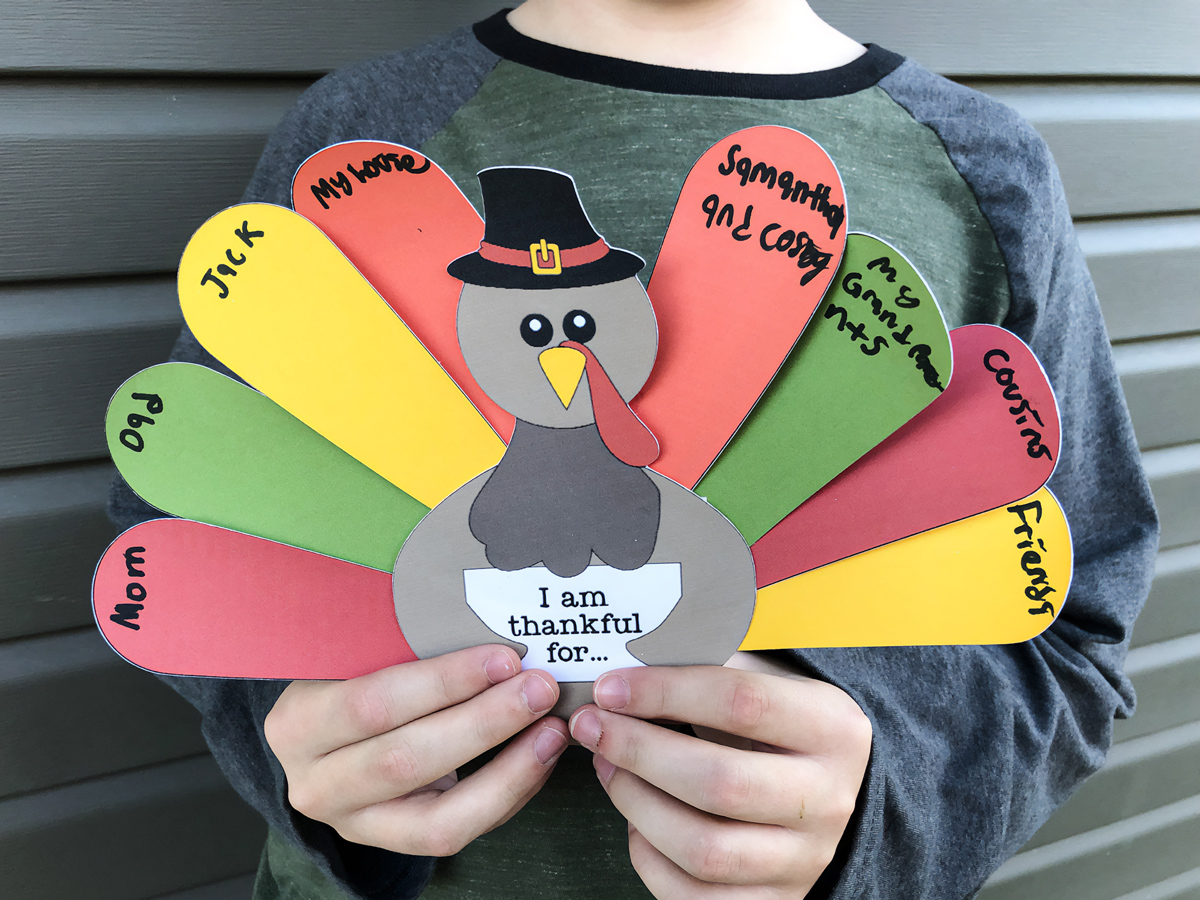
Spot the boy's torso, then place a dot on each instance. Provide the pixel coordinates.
(629, 149)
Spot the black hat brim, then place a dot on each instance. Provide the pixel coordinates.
(615, 265)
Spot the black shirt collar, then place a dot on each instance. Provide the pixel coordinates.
(501, 38)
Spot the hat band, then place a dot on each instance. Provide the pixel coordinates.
(544, 258)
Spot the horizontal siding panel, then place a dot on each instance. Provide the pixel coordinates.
(112, 178)
(1140, 775)
(131, 836)
(1173, 609)
(1013, 37)
(1104, 863)
(1029, 37)
(108, 179)
(268, 36)
(1121, 149)
(71, 709)
(1185, 886)
(52, 532)
(1146, 273)
(1162, 385)
(240, 888)
(64, 349)
(1165, 677)
(1174, 474)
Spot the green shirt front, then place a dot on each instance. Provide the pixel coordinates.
(629, 137)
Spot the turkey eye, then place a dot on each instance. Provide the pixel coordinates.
(579, 326)
(536, 330)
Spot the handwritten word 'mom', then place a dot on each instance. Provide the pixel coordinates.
(371, 168)
(126, 613)
(790, 187)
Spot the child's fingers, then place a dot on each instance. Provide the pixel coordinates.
(430, 824)
(666, 881)
(804, 715)
(393, 764)
(711, 848)
(314, 718)
(767, 788)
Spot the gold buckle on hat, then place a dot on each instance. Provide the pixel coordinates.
(548, 252)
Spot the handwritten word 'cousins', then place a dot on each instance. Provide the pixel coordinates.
(1023, 412)
(905, 299)
(1039, 586)
(131, 437)
(246, 236)
(340, 184)
(126, 613)
(790, 187)
(797, 245)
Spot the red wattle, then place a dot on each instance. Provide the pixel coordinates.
(623, 433)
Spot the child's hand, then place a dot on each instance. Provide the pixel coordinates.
(714, 821)
(375, 757)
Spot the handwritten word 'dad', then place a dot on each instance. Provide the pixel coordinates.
(131, 437)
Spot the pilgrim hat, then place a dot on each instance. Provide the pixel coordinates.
(537, 236)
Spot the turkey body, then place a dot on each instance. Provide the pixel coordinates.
(705, 628)
(557, 330)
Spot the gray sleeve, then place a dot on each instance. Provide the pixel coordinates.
(405, 98)
(976, 746)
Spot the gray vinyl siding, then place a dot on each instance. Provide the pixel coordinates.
(124, 125)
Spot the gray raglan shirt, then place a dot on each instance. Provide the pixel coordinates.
(974, 746)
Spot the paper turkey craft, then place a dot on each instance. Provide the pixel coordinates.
(527, 448)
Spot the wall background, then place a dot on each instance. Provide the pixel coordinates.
(123, 125)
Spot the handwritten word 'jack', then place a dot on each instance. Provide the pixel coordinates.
(246, 236)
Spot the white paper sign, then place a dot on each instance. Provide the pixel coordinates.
(575, 628)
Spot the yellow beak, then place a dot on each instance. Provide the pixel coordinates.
(563, 367)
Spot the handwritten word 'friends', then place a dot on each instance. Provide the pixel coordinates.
(1039, 586)
(796, 244)
(246, 236)
(1023, 411)
(131, 437)
(340, 184)
(905, 299)
(791, 188)
(126, 613)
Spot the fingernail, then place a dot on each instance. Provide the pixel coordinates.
(604, 769)
(548, 744)
(499, 667)
(611, 691)
(538, 695)
(585, 728)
